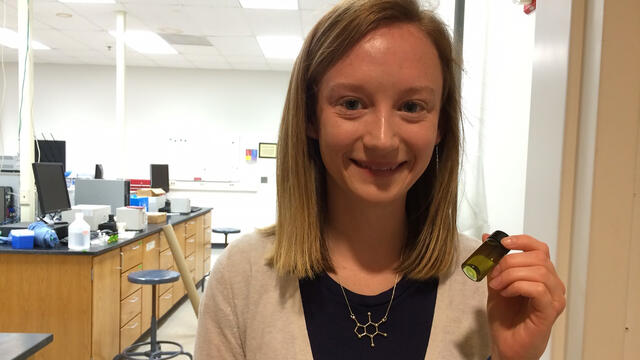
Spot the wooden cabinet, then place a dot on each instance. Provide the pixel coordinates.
(86, 301)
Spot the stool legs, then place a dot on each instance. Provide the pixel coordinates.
(225, 240)
(154, 321)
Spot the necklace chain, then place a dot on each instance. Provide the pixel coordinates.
(374, 325)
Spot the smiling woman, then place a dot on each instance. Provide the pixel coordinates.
(362, 260)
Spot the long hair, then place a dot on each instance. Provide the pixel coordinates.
(431, 206)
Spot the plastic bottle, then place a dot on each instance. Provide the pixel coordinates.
(79, 233)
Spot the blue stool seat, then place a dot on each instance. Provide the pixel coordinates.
(152, 277)
(226, 231)
(155, 351)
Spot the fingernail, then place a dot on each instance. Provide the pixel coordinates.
(507, 241)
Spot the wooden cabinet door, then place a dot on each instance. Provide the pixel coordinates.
(150, 261)
(106, 306)
(199, 250)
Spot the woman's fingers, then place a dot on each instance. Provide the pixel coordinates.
(536, 273)
(525, 243)
(541, 298)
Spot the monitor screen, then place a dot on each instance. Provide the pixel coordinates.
(160, 176)
(52, 187)
(50, 151)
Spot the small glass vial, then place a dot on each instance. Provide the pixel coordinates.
(486, 257)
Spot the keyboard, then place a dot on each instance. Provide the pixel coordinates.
(195, 208)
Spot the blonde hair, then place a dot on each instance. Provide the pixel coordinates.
(300, 249)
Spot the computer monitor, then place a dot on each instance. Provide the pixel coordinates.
(160, 176)
(52, 187)
(99, 174)
(51, 151)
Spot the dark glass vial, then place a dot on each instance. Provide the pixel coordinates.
(486, 257)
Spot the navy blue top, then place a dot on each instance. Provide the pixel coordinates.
(331, 330)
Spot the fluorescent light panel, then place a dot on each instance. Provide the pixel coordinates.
(146, 42)
(270, 4)
(88, 1)
(10, 38)
(280, 47)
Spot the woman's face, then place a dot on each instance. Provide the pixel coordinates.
(378, 113)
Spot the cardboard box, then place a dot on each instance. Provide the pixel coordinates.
(150, 192)
(157, 217)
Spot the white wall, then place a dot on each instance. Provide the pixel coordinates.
(76, 103)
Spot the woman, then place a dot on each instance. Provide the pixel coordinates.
(364, 259)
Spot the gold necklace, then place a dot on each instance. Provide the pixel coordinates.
(373, 325)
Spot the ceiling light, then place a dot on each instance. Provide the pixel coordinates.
(280, 47)
(146, 42)
(10, 38)
(270, 4)
(88, 1)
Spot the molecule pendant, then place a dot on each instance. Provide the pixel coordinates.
(370, 329)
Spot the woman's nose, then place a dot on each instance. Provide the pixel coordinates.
(381, 133)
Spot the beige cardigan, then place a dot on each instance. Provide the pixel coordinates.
(248, 312)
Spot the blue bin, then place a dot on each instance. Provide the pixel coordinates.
(21, 239)
(141, 201)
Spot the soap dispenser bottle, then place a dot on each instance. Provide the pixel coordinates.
(79, 233)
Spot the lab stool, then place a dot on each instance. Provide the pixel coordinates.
(153, 277)
(226, 231)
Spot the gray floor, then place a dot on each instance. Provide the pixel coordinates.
(180, 326)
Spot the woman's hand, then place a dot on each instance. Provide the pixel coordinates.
(525, 298)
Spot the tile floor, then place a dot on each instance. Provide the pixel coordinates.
(181, 325)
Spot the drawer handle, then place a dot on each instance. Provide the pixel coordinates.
(191, 240)
(168, 296)
(135, 299)
(135, 325)
(135, 247)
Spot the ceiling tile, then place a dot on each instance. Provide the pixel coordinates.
(57, 40)
(205, 58)
(220, 21)
(316, 4)
(164, 18)
(54, 56)
(274, 22)
(213, 66)
(97, 40)
(46, 13)
(197, 50)
(237, 45)
(171, 61)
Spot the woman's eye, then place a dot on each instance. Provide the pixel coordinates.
(351, 104)
(412, 107)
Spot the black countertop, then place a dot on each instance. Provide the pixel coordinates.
(18, 346)
(62, 249)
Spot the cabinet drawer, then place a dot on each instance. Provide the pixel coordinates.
(164, 245)
(164, 287)
(207, 265)
(190, 245)
(191, 262)
(130, 332)
(131, 255)
(166, 259)
(190, 228)
(178, 289)
(130, 307)
(126, 287)
(165, 302)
